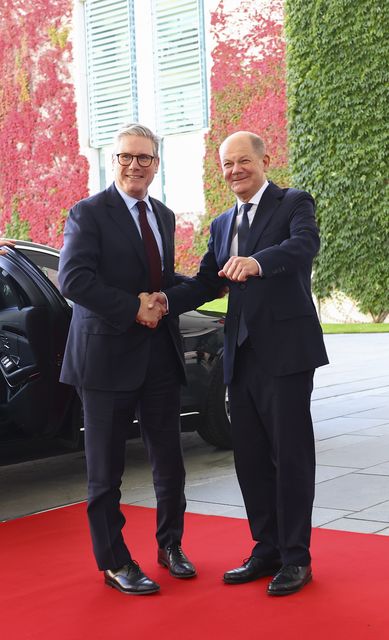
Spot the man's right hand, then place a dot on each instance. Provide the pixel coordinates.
(155, 299)
(150, 311)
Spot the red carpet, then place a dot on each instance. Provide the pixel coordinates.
(50, 588)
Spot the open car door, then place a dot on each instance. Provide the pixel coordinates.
(34, 322)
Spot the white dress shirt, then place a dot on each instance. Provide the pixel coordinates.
(151, 217)
(250, 214)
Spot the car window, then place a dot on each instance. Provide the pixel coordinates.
(51, 274)
(11, 294)
(46, 262)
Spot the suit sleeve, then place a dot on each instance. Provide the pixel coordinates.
(190, 293)
(298, 250)
(79, 278)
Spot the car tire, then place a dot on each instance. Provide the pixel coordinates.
(215, 425)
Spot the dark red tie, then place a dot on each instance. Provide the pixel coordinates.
(151, 248)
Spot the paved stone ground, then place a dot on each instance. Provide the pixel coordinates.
(351, 418)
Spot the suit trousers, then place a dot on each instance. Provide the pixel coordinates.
(274, 456)
(107, 416)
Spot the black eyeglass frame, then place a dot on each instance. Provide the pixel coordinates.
(132, 156)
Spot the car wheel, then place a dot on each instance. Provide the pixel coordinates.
(215, 425)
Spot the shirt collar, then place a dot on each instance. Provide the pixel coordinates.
(131, 201)
(256, 197)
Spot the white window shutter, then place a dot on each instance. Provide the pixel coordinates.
(179, 55)
(111, 67)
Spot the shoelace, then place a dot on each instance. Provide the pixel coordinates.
(290, 569)
(133, 566)
(178, 549)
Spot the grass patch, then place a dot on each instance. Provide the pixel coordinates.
(357, 327)
(220, 306)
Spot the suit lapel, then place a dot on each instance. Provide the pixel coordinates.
(227, 235)
(165, 231)
(267, 206)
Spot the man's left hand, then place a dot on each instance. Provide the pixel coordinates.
(239, 269)
(6, 243)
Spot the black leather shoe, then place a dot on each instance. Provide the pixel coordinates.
(130, 579)
(289, 579)
(252, 569)
(176, 561)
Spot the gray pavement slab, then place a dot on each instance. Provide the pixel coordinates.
(384, 532)
(355, 451)
(353, 492)
(321, 516)
(344, 425)
(381, 412)
(357, 526)
(210, 509)
(338, 442)
(355, 405)
(370, 386)
(380, 430)
(324, 473)
(378, 513)
(220, 490)
(378, 469)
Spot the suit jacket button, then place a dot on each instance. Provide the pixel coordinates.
(243, 285)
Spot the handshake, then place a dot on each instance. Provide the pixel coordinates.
(153, 306)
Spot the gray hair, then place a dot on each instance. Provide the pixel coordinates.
(257, 143)
(135, 129)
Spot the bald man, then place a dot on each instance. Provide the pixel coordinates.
(263, 248)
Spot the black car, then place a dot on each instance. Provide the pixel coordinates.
(34, 321)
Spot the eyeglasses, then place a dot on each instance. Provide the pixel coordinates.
(143, 160)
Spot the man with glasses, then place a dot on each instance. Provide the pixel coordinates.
(124, 358)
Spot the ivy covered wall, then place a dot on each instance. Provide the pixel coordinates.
(338, 134)
(42, 172)
(248, 92)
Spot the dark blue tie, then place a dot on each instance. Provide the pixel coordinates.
(244, 229)
(243, 235)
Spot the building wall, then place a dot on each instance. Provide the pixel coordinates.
(179, 182)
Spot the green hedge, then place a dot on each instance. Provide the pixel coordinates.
(338, 135)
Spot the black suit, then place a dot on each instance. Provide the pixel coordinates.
(120, 367)
(270, 376)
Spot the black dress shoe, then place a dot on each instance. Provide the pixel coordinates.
(176, 561)
(130, 579)
(289, 579)
(252, 569)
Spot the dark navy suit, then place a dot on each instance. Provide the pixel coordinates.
(120, 367)
(270, 376)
